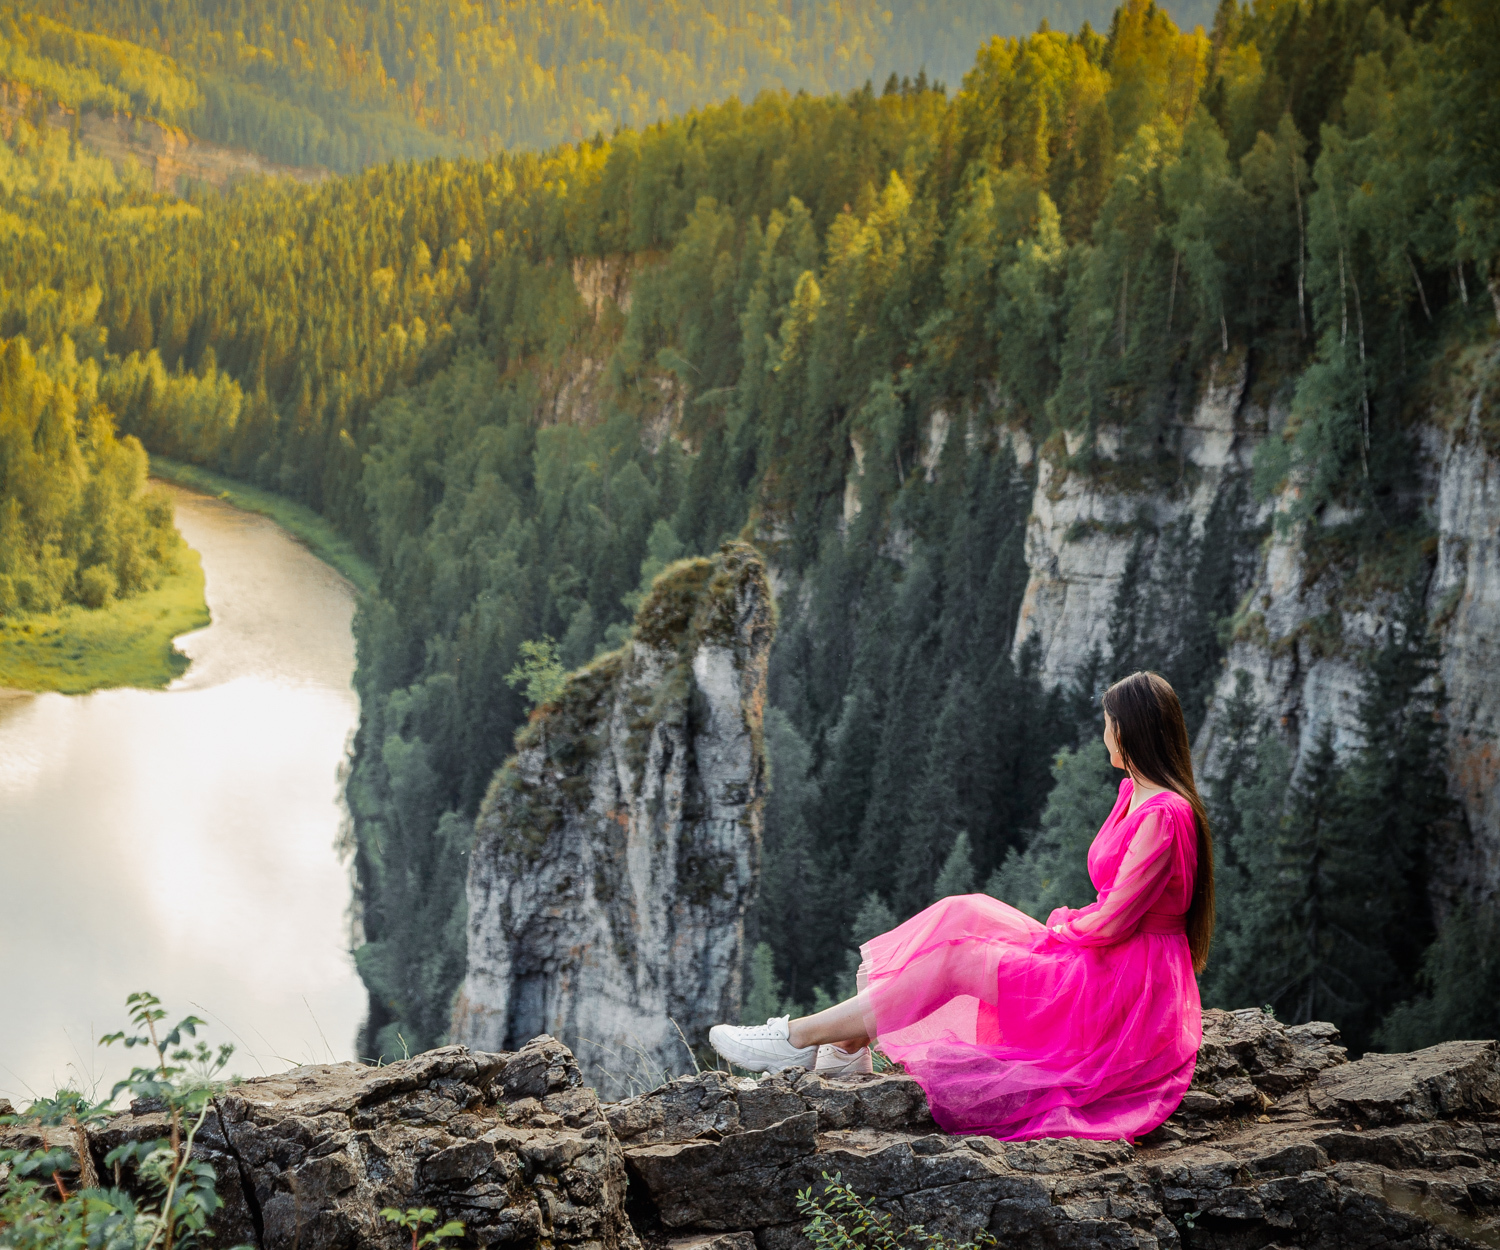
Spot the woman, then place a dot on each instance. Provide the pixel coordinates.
(1087, 1026)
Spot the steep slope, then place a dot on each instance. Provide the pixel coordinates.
(616, 853)
(344, 85)
(1122, 565)
(1307, 627)
(170, 160)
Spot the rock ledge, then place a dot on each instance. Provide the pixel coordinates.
(1280, 1142)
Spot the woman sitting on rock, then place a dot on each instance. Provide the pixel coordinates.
(1087, 1026)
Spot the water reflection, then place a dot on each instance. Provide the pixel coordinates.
(183, 841)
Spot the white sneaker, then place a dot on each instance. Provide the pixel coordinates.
(835, 1062)
(761, 1047)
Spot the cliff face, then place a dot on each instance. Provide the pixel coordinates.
(1301, 630)
(1087, 533)
(616, 852)
(169, 156)
(1304, 631)
(1465, 599)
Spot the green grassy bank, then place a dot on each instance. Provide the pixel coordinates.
(302, 523)
(128, 643)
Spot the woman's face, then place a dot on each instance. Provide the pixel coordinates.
(1112, 742)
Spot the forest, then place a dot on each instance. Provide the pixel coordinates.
(348, 83)
(77, 523)
(1059, 247)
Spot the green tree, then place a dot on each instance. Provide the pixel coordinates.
(763, 999)
(540, 673)
(1459, 985)
(957, 875)
(873, 918)
(1053, 869)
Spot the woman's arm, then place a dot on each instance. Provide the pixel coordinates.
(1143, 876)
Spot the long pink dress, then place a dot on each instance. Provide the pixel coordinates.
(1016, 1031)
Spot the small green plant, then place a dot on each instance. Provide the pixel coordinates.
(176, 1194)
(414, 1217)
(540, 672)
(839, 1219)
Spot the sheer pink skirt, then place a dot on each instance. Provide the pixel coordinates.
(1015, 1034)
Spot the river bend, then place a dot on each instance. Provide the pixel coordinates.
(185, 841)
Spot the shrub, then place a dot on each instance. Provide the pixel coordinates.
(96, 586)
(839, 1219)
(173, 1195)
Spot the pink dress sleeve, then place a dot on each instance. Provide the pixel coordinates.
(1143, 876)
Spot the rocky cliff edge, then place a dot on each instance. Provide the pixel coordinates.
(1280, 1142)
(616, 852)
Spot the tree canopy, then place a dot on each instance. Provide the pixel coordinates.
(847, 325)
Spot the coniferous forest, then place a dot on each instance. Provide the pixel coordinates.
(344, 85)
(439, 356)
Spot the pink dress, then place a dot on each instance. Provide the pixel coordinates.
(1015, 1030)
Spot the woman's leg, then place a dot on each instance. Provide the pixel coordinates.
(843, 1024)
(927, 982)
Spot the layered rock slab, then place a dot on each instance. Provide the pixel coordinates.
(1280, 1142)
(615, 854)
(514, 1145)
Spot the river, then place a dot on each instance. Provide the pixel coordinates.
(185, 841)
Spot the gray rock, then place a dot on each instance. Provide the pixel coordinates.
(616, 852)
(1305, 625)
(1441, 1081)
(1394, 1151)
(1082, 529)
(1249, 1160)
(514, 1145)
(714, 1241)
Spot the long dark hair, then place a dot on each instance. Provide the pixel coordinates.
(1154, 745)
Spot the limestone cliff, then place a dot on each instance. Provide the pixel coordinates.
(1465, 601)
(1086, 529)
(616, 852)
(1301, 631)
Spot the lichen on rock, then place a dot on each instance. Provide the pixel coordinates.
(617, 851)
(1280, 1142)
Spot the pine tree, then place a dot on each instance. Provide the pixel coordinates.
(1307, 947)
(1248, 908)
(763, 1000)
(790, 914)
(1398, 794)
(1053, 869)
(1240, 727)
(1460, 983)
(873, 918)
(957, 875)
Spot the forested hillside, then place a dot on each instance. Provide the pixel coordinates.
(346, 83)
(526, 384)
(77, 524)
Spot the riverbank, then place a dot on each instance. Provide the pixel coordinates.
(303, 524)
(128, 643)
(197, 827)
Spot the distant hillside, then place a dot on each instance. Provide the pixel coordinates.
(165, 157)
(346, 83)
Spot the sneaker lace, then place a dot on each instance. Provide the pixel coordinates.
(775, 1029)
